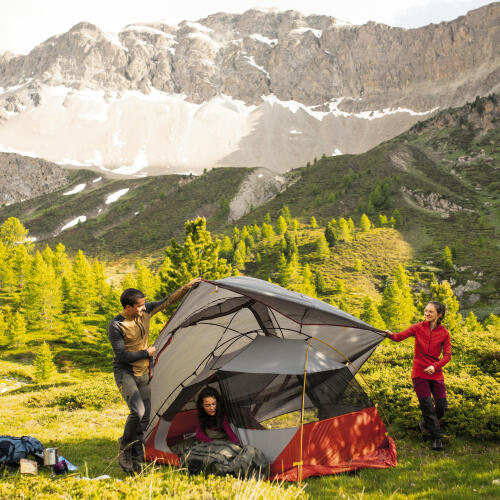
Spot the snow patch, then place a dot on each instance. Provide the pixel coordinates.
(336, 152)
(115, 196)
(295, 132)
(148, 29)
(97, 180)
(301, 31)
(76, 189)
(272, 42)
(74, 222)
(252, 62)
(199, 27)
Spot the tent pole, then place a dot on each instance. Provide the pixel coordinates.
(300, 463)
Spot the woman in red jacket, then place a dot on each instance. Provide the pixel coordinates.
(431, 338)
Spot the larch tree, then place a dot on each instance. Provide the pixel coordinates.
(197, 256)
(442, 292)
(371, 315)
(322, 247)
(365, 223)
(13, 232)
(281, 225)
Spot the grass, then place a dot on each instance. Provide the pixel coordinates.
(86, 432)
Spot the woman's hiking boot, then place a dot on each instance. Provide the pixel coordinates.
(437, 445)
(125, 457)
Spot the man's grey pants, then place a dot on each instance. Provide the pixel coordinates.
(137, 394)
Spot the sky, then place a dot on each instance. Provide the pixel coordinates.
(26, 23)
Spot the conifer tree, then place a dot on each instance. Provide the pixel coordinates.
(382, 220)
(351, 225)
(295, 225)
(267, 231)
(44, 366)
(73, 328)
(319, 282)
(285, 213)
(343, 232)
(236, 235)
(307, 286)
(398, 219)
(281, 225)
(267, 218)
(447, 259)
(283, 270)
(492, 322)
(331, 232)
(358, 265)
(313, 222)
(472, 324)
(371, 315)
(365, 223)
(197, 256)
(146, 281)
(81, 293)
(291, 247)
(12, 232)
(3, 327)
(226, 248)
(16, 330)
(21, 263)
(398, 308)
(42, 296)
(322, 247)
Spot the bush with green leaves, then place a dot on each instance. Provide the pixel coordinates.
(96, 394)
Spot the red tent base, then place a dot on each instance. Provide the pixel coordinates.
(349, 442)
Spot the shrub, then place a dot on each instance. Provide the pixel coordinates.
(94, 394)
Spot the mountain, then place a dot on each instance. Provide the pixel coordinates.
(441, 176)
(263, 88)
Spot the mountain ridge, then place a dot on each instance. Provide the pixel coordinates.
(270, 89)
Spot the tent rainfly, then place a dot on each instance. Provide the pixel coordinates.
(285, 365)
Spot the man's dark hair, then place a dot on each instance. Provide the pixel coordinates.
(130, 296)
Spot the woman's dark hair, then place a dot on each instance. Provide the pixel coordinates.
(440, 309)
(130, 296)
(206, 420)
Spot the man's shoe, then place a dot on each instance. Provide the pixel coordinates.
(138, 457)
(125, 457)
(437, 445)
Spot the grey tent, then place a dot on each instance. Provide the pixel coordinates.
(284, 364)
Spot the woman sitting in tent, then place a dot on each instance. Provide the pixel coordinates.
(219, 450)
(427, 373)
(212, 422)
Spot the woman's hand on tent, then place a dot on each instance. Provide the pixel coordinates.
(151, 351)
(430, 370)
(389, 333)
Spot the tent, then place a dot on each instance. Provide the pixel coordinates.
(285, 365)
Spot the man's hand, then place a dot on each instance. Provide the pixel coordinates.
(192, 283)
(151, 351)
(430, 370)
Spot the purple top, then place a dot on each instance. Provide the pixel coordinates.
(201, 436)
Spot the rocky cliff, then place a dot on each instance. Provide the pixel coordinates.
(264, 88)
(24, 178)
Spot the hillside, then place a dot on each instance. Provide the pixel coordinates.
(441, 176)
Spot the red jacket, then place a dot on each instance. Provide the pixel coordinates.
(428, 347)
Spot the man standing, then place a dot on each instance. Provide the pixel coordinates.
(129, 336)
